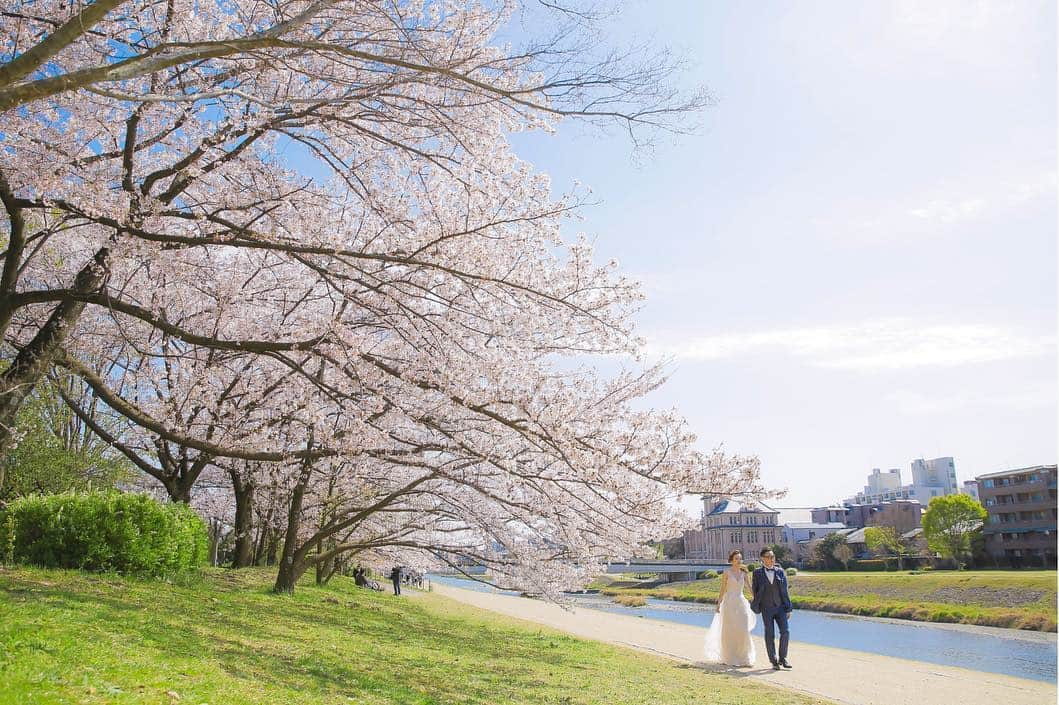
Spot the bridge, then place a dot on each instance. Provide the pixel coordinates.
(672, 570)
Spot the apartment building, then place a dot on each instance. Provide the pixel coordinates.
(1021, 528)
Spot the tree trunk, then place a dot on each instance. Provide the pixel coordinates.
(178, 492)
(273, 547)
(244, 515)
(292, 562)
(287, 577)
(325, 568)
(18, 380)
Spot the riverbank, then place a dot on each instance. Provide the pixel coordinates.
(849, 677)
(223, 638)
(1012, 599)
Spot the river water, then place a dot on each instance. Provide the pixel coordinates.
(1012, 652)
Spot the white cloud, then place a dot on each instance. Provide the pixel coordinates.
(881, 344)
(914, 403)
(936, 212)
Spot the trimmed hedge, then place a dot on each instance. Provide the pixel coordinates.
(868, 565)
(103, 531)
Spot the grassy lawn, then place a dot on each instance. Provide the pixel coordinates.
(1018, 599)
(67, 637)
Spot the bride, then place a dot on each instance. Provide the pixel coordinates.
(728, 638)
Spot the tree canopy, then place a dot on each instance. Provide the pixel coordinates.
(950, 523)
(290, 244)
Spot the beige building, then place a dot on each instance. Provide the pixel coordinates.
(729, 525)
(904, 515)
(1021, 529)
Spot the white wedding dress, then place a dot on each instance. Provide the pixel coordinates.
(728, 638)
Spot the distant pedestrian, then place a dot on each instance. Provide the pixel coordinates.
(395, 578)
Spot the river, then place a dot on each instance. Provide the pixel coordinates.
(1012, 652)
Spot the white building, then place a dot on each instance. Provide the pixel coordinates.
(970, 487)
(933, 478)
(800, 536)
(930, 478)
(880, 482)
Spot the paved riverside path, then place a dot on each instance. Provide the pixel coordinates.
(850, 677)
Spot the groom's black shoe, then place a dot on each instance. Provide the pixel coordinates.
(785, 664)
(775, 666)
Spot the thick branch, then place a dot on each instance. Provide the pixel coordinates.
(67, 34)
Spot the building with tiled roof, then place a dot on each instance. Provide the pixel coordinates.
(728, 525)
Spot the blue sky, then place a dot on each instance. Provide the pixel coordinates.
(853, 263)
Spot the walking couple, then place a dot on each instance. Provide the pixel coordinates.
(728, 638)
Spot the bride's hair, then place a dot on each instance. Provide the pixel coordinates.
(733, 554)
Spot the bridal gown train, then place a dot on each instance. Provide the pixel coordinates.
(728, 638)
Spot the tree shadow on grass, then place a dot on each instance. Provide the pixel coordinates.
(346, 650)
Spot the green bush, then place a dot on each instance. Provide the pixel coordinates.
(102, 531)
(751, 567)
(791, 571)
(869, 565)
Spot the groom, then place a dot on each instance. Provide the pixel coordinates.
(772, 602)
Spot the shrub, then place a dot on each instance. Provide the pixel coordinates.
(751, 567)
(631, 600)
(100, 531)
(792, 571)
(869, 565)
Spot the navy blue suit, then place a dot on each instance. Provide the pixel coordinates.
(773, 602)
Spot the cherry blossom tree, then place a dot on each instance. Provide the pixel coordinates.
(328, 273)
(139, 133)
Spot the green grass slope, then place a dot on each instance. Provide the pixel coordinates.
(67, 637)
(1015, 599)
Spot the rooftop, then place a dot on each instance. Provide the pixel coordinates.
(1016, 471)
(814, 525)
(731, 506)
(856, 535)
